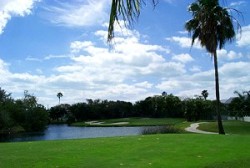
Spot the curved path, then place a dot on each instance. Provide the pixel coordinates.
(193, 128)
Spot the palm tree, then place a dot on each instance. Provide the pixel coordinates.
(213, 26)
(129, 10)
(204, 93)
(59, 95)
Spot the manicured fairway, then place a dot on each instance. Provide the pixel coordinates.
(231, 127)
(175, 150)
(135, 122)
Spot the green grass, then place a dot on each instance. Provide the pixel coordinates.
(158, 151)
(230, 127)
(136, 122)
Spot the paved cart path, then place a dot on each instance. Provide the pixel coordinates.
(193, 128)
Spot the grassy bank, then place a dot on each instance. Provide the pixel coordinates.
(178, 150)
(134, 122)
(231, 127)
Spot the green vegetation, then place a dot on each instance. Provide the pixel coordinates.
(240, 106)
(134, 122)
(168, 129)
(175, 150)
(21, 115)
(231, 127)
(159, 106)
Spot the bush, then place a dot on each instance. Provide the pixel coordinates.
(169, 129)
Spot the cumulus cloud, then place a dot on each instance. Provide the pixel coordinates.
(184, 58)
(132, 70)
(233, 76)
(4, 71)
(13, 8)
(77, 46)
(129, 59)
(195, 69)
(79, 13)
(184, 42)
(243, 40)
(228, 55)
(96, 71)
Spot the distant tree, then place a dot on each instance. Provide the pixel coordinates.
(205, 94)
(23, 113)
(4, 96)
(29, 101)
(164, 93)
(213, 26)
(35, 116)
(59, 112)
(59, 95)
(240, 106)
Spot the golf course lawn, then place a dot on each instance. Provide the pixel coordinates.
(230, 127)
(168, 150)
(133, 122)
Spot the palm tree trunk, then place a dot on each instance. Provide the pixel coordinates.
(217, 88)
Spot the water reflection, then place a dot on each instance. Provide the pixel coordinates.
(56, 132)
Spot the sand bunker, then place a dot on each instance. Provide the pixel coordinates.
(103, 123)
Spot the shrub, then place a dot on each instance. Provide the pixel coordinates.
(169, 129)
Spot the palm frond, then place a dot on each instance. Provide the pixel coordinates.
(127, 10)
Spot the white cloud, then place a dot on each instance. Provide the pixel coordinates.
(4, 71)
(231, 55)
(127, 72)
(169, 85)
(235, 70)
(77, 46)
(233, 76)
(144, 84)
(49, 57)
(12, 8)
(79, 13)
(103, 73)
(131, 71)
(238, 3)
(29, 58)
(243, 40)
(195, 69)
(184, 58)
(184, 42)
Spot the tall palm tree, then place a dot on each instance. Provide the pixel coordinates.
(59, 95)
(129, 10)
(205, 94)
(213, 26)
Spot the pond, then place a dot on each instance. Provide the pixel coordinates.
(62, 131)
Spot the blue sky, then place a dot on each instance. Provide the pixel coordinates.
(51, 46)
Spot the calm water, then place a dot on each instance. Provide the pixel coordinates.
(55, 132)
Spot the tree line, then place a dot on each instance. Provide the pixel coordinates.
(159, 106)
(26, 114)
(21, 115)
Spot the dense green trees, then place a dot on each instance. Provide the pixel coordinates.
(158, 106)
(25, 114)
(240, 105)
(198, 109)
